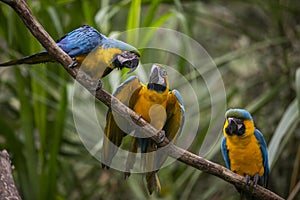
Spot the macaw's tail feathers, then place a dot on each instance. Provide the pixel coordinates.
(131, 156)
(111, 141)
(246, 196)
(148, 156)
(152, 182)
(160, 157)
(148, 162)
(109, 150)
(41, 57)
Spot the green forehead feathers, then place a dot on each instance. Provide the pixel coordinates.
(238, 113)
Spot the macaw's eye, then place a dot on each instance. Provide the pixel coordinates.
(163, 73)
(127, 63)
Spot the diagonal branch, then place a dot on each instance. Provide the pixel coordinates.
(176, 152)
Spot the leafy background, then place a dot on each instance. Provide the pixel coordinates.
(254, 44)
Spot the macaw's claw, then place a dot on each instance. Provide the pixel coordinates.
(247, 179)
(74, 63)
(99, 85)
(127, 174)
(161, 135)
(255, 180)
(105, 166)
(140, 117)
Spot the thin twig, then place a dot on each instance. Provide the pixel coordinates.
(178, 153)
(294, 192)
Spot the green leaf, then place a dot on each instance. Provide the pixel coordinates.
(133, 21)
(27, 124)
(297, 86)
(55, 19)
(283, 132)
(286, 126)
(56, 145)
(151, 13)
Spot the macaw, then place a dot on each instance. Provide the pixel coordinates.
(155, 103)
(99, 54)
(244, 148)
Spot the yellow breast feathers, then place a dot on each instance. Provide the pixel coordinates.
(244, 152)
(151, 105)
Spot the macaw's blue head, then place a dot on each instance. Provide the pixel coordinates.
(237, 122)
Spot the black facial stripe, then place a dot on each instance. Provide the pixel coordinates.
(241, 130)
(117, 63)
(156, 87)
(228, 131)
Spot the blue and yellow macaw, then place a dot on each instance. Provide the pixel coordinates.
(244, 148)
(99, 54)
(154, 102)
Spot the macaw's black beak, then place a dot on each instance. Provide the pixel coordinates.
(158, 79)
(235, 126)
(127, 59)
(232, 127)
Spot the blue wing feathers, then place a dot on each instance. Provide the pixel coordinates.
(225, 153)
(179, 98)
(81, 41)
(264, 151)
(124, 84)
(182, 110)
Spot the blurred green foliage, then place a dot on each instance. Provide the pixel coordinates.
(254, 44)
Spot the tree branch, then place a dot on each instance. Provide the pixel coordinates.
(8, 189)
(178, 153)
